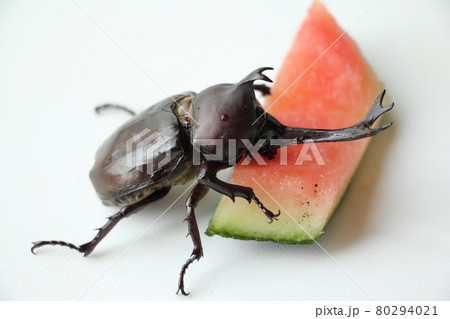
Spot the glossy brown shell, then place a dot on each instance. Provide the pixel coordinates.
(142, 155)
(226, 112)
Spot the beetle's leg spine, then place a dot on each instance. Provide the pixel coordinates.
(209, 178)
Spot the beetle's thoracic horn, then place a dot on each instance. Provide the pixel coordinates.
(256, 75)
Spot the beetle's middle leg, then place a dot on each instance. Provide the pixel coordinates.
(103, 231)
(209, 178)
(114, 106)
(197, 193)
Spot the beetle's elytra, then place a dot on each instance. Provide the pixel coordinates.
(174, 128)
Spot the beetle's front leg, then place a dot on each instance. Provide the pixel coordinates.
(209, 178)
(264, 89)
(197, 193)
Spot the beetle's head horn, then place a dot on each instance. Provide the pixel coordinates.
(226, 98)
(255, 75)
(244, 90)
(227, 112)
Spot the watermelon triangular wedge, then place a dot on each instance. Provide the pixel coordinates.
(323, 83)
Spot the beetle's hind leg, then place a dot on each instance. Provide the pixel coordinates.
(197, 193)
(114, 106)
(89, 246)
(103, 231)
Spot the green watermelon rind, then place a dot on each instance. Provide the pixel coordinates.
(212, 230)
(231, 224)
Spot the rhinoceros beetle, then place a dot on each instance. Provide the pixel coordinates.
(125, 176)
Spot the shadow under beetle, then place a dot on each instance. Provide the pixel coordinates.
(225, 112)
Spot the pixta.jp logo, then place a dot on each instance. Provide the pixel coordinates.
(148, 151)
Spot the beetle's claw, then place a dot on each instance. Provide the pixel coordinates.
(271, 219)
(271, 215)
(196, 255)
(33, 247)
(184, 293)
(267, 212)
(274, 217)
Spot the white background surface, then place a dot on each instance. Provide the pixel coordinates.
(388, 240)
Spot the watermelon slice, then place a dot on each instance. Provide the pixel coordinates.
(323, 83)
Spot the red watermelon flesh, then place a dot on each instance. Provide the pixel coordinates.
(324, 82)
